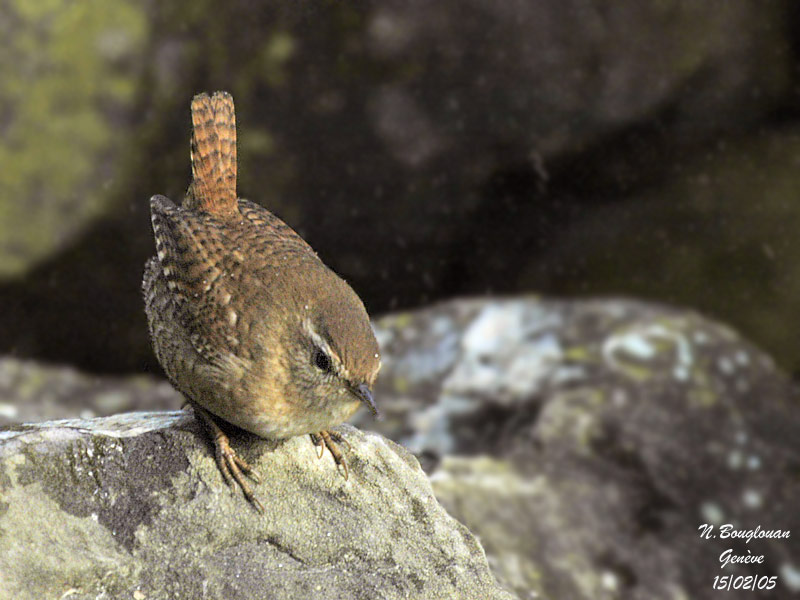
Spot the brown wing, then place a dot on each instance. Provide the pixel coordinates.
(192, 252)
(269, 238)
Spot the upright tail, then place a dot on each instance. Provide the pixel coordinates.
(213, 188)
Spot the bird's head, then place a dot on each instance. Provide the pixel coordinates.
(333, 355)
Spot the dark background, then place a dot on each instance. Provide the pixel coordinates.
(425, 150)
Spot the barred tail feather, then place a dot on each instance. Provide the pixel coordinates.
(213, 188)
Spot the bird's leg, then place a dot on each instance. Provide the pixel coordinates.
(230, 464)
(329, 439)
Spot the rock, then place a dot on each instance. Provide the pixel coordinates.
(67, 122)
(32, 392)
(133, 506)
(585, 442)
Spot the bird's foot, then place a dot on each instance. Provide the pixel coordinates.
(233, 467)
(331, 440)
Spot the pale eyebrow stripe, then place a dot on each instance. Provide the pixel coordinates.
(320, 342)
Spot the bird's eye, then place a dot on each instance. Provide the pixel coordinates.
(321, 360)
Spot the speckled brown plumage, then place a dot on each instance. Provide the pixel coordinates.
(246, 320)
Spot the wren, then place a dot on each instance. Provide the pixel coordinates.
(247, 322)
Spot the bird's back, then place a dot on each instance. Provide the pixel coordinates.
(211, 278)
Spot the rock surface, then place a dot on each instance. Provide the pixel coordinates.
(133, 506)
(586, 442)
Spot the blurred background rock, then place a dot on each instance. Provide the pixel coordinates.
(426, 150)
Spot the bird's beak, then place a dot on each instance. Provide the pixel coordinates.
(365, 395)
